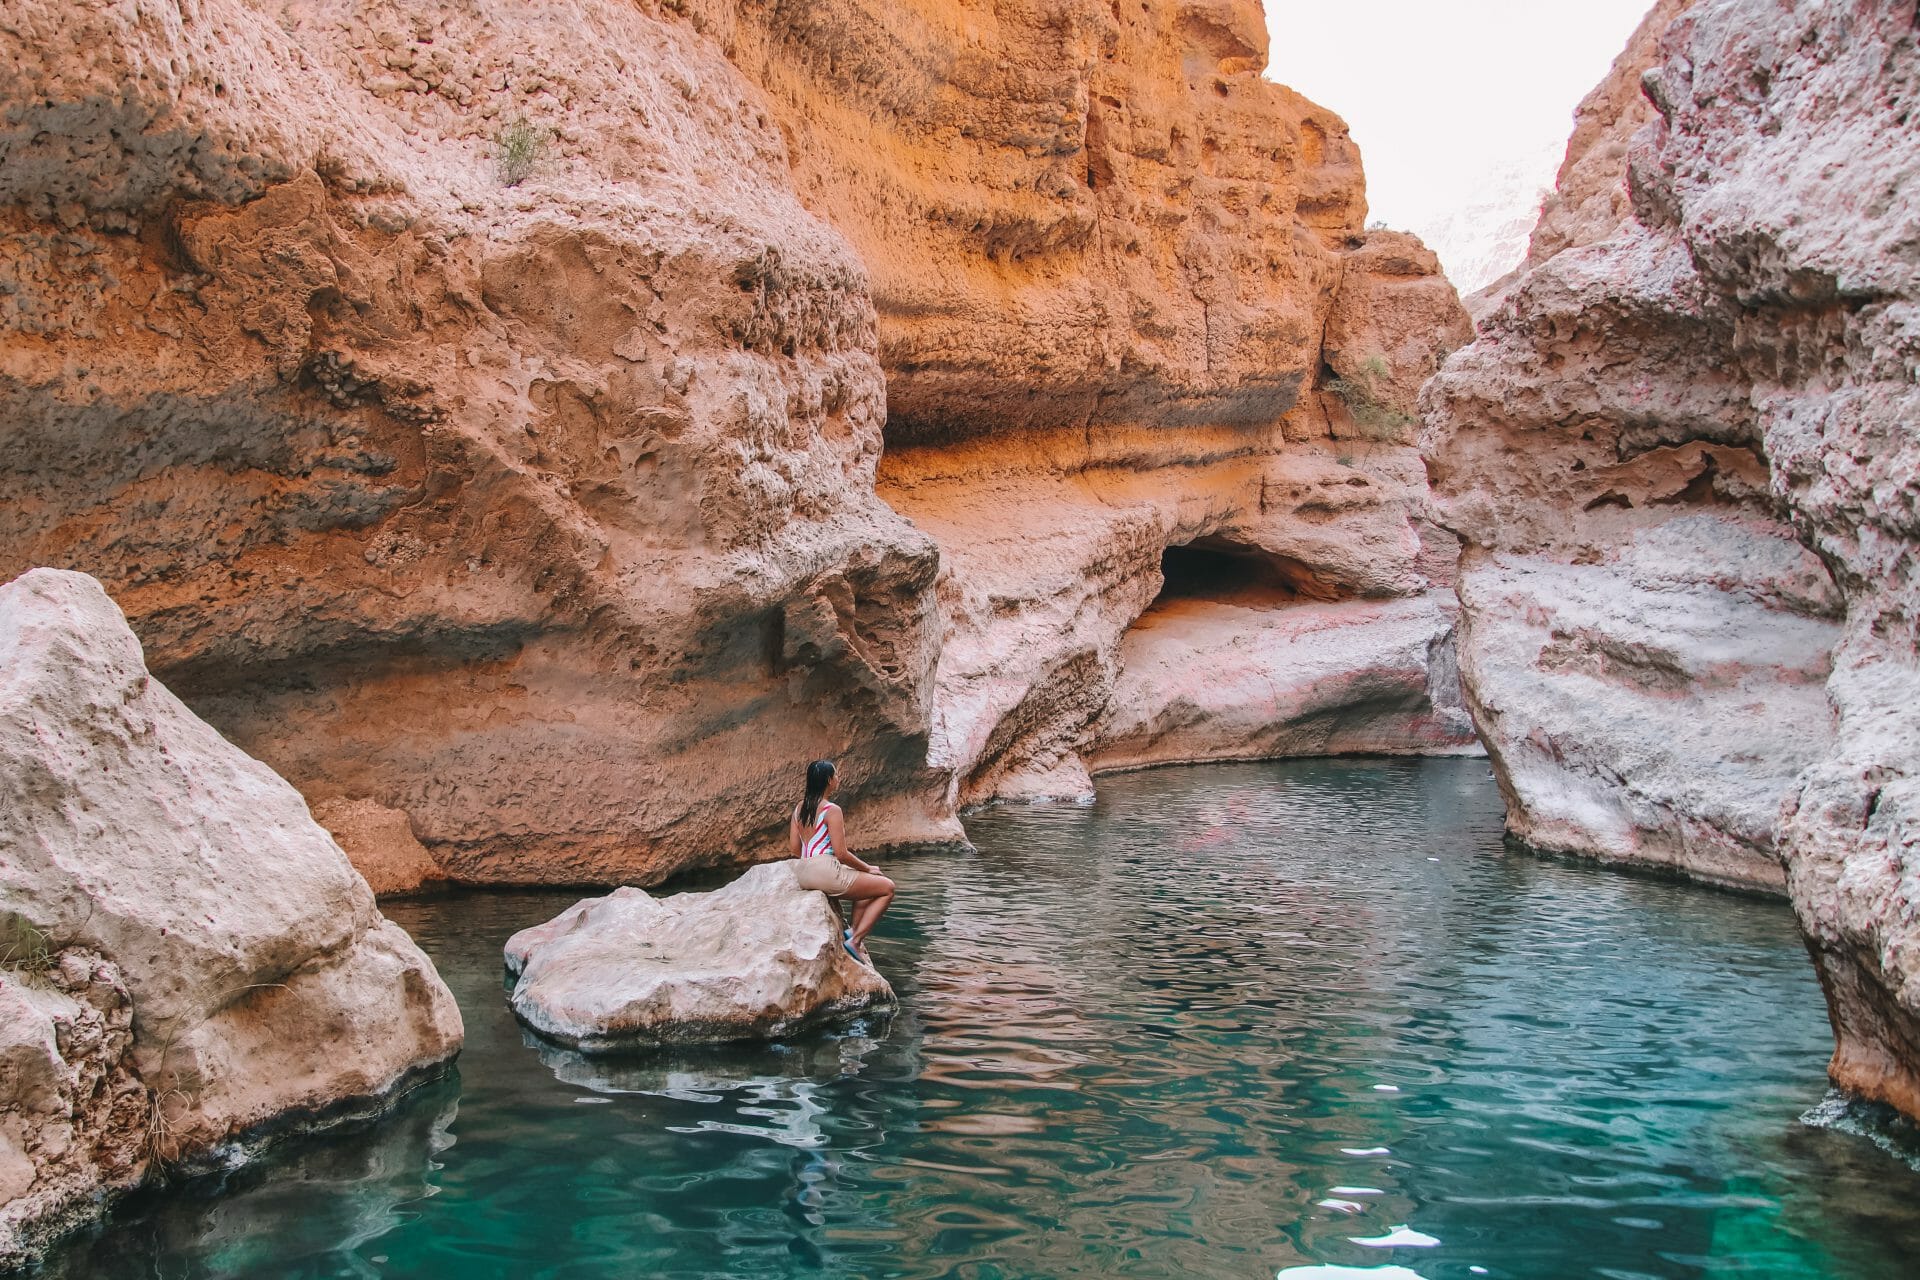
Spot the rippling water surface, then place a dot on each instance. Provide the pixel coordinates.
(1306, 1020)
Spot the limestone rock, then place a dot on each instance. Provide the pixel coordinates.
(1655, 707)
(210, 917)
(74, 1117)
(539, 510)
(1051, 554)
(1735, 348)
(1073, 215)
(380, 843)
(1207, 680)
(757, 959)
(1590, 197)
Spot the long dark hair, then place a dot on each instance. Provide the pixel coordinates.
(819, 774)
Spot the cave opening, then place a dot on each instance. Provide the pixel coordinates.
(1222, 570)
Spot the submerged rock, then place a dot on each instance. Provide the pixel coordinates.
(756, 959)
(192, 963)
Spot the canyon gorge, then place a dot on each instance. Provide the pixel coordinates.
(534, 431)
(833, 384)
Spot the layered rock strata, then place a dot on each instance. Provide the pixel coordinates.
(469, 416)
(1681, 455)
(755, 960)
(477, 407)
(190, 962)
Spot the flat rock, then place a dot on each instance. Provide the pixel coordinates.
(756, 959)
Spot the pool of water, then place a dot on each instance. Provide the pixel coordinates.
(1232, 1021)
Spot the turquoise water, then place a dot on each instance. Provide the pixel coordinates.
(1229, 1021)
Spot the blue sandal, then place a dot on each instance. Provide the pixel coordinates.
(846, 940)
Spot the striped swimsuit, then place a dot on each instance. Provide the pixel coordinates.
(816, 867)
(819, 844)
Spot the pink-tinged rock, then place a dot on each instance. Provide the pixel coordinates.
(1731, 343)
(263, 989)
(74, 1116)
(755, 960)
(1211, 680)
(1637, 710)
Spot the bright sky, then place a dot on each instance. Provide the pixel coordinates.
(1443, 94)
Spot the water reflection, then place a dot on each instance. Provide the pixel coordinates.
(1309, 1019)
(302, 1210)
(761, 1091)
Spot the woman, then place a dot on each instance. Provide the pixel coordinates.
(817, 836)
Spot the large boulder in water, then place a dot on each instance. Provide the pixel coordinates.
(190, 961)
(754, 960)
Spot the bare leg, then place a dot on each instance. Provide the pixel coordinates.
(871, 895)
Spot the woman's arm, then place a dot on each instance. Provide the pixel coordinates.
(837, 832)
(793, 833)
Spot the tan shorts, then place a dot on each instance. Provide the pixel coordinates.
(827, 874)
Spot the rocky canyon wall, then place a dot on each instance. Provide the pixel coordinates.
(541, 513)
(1121, 283)
(479, 409)
(1682, 456)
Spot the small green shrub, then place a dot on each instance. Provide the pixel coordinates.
(516, 149)
(1373, 416)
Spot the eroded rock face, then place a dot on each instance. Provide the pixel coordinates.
(1052, 540)
(1710, 407)
(1248, 679)
(545, 513)
(542, 513)
(194, 961)
(74, 1116)
(1653, 707)
(1073, 214)
(755, 960)
(381, 845)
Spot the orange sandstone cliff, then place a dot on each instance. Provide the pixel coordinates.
(543, 427)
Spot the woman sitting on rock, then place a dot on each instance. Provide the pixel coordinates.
(817, 836)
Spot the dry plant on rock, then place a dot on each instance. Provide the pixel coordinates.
(162, 1145)
(25, 948)
(516, 149)
(1374, 417)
